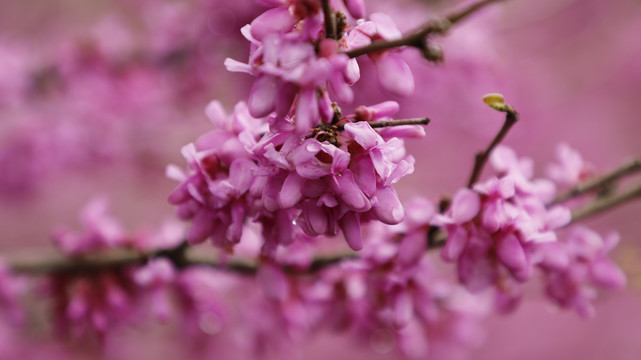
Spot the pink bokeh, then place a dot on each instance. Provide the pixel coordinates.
(572, 68)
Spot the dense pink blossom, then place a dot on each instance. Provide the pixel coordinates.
(213, 193)
(577, 266)
(393, 298)
(11, 288)
(394, 75)
(494, 227)
(289, 71)
(571, 169)
(101, 230)
(296, 165)
(334, 185)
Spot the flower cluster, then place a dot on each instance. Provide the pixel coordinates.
(493, 227)
(213, 194)
(503, 228)
(293, 167)
(98, 99)
(97, 300)
(334, 187)
(392, 296)
(289, 159)
(574, 268)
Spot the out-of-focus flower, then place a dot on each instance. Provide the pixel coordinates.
(576, 267)
(213, 193)
(394, 75)
(101, 231)
(571, 169)
(494, 228)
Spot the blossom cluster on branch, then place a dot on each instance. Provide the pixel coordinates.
(298, 168)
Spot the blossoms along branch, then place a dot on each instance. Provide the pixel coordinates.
(288, 174)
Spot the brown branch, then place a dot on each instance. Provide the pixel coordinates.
(388, 123)
(599, 182)
(330, 21)
(606, 203)
(511, 117)
(418, 37)
(181, 257)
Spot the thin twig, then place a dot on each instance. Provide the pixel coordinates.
(599, 182)
(417, 38)
(400, 122)
(511, 117)
(602, 204)
(388, 123)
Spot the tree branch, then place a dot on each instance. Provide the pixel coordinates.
(599, 182)
(418, 37)
(330, 21)
(181, 257)
(602, 204)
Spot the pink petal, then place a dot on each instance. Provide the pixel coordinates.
(345, 186)
(315, 219)
(350, 223)
(403, 309)
(277, 20)
(412, 248)
(263, 95)
(385, 26)
(607, 274)
(237, 66)
(286, 94)
(202, 226)
(465, 206)
(356, 8)
(307, 116)
(394, 75)
(511, 252)
(557, 217)
(364, 174)
(363, 134)
(291, 192)
(273, 282)
(455, 244)
(388, 208)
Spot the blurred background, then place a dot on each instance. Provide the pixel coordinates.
(99, 96)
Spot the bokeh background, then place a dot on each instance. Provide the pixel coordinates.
(98, 97)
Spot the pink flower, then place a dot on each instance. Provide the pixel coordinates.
(334, 185)
(155, 277)
(289, 71)
(394, 75)
(11, 288)
(214, 193)
(101, 231)
(584, 266)
(92, 303)
(494, 230)
(571, 168)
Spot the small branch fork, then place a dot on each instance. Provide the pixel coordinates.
(600, 182)
(495, 101)
(605, 203)
(418, 37)
(602, 203)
